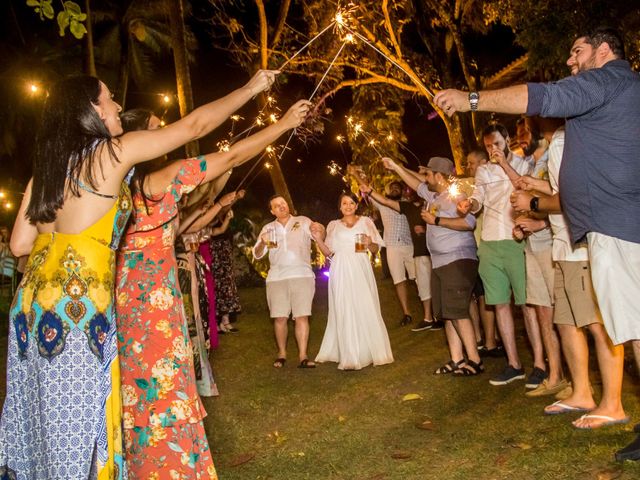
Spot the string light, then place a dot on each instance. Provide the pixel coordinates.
(165, 98)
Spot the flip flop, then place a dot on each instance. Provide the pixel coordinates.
(607, 421)
(564, 408)
(279, 362)
(305, 364)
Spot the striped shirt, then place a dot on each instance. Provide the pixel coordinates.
(600, 172)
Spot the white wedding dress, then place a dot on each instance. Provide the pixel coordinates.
(356, 335)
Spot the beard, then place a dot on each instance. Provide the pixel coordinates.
(394, 196)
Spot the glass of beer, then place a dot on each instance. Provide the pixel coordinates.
(272, 239)
(360, 243)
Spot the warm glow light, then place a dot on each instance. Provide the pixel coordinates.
(166, 98)
(454, 189)
(235, 118)
(372, 142)
(273, 118)
(270, 149)
(390, 137)
(349, 38)
(299, 160)
(267, 165)
(340, 138)
(224, 145)
(8, 205)
(34, 88)
(339, 19)
(2, 195)
(162, 123)
(270, 99)
(259, 122)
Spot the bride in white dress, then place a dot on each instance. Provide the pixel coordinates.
(356, 335)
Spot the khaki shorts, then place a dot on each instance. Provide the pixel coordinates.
(615, 266)
(540, 277)
(423, 276)
(291, 296)
(575, 299)
(400, 261)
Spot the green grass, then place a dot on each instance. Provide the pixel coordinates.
(329, 424)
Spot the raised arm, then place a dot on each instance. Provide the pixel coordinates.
(139, 146)
(505, 100)
(24, 233)
(219, 163)
(410, 178)
(381, 199)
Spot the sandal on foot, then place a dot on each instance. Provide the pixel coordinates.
(606, 421)
(448, 367)
(469, 369)
(279, 362)
(306, 363)
(558, 408)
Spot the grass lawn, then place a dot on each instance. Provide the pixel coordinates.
(328, 424)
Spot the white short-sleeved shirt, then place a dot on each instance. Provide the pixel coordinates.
(292, 257)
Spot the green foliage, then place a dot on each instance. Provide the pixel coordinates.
(70, 16)
(547, 28)
(43, 8)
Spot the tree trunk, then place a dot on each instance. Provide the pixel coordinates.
(457, 141)
(183, 78)
(90, 60)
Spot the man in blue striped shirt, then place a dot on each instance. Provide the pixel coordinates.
(600, 170)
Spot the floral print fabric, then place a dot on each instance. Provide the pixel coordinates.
(164, 434)
(62, 414)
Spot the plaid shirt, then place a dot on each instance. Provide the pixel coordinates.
(396, 227)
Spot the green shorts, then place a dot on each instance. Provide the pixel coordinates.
(502, 269)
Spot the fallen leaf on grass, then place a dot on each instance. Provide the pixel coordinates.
(609, 474)
(400, 455)
(341, 418)
(426, 425)
(522, 446)
(411, 396)
(500, 460)
(241, 459)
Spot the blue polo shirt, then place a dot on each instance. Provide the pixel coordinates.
(600, 172)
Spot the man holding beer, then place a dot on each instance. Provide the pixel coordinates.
(290, 281)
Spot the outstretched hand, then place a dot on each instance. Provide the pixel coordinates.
(452, 101)
(464, 207)
(389, 164)
(261, 81)
(296, 114)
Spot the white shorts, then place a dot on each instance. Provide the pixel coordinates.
(423, 276)
(400, 261)
(291, 296)
(615, 271)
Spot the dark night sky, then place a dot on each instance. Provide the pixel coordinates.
(213, 75)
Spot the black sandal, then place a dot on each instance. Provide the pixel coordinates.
(449, 367)
(305, 364)
(470, 369)
(279, 362)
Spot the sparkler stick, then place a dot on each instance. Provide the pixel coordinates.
(366, 41)
(307, 44)
(257, 162)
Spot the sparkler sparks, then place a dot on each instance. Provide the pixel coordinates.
(223, 145)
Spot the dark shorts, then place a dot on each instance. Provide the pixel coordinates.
(478, 288)
(451, 287)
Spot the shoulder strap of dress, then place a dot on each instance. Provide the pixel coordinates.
(90, 190)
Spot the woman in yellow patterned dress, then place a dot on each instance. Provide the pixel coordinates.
(61, 418)
(163, 428)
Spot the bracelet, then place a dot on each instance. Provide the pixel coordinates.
(436, 221)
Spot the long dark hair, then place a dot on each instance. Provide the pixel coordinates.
(69, 135)
(353, 197)
(133, 120)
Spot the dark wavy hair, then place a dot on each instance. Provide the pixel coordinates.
(69, 135)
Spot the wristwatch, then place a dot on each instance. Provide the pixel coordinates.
(533, 204)
(474, 97)
(436, 221)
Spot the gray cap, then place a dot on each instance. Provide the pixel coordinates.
(442, 165)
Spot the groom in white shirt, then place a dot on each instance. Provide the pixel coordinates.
(290, 281)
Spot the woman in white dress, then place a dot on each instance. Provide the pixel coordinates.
(356, 335)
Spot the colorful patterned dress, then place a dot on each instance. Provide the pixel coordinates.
(227, 298)
(62, 415)
(163, 429)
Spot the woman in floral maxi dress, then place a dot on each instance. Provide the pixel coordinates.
(164, 431)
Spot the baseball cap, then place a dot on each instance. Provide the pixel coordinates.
(442, 165)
